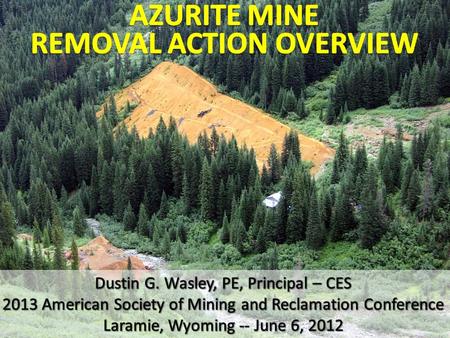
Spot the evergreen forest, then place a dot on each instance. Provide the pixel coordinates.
(199, 205)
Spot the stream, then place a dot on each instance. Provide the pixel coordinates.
(158, 263)
(150, 262)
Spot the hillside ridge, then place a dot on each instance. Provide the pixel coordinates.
(197, 106)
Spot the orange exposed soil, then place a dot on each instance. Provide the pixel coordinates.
(174, 90)
(25, 237)
(100, 254)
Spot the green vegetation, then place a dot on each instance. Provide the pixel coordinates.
(378, 12)
(200, 205)
(419, 79)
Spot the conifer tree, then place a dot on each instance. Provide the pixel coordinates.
(258, 221)
(7, 224)
(151, 226)
(326, 208)
(206, 190)
(157, 233)
(343, 219)
(282, 212)
(335, 175)
(315, 231)
(40, 201)
(371, 224)
(105, 189)
(111, 113)
(221, 204)
(427, 195)
(290, 149)
(22, 211)
(152, 197)
(93, 193)
(266, 180)
(413, 191)
(58, 257)
(247, 207)
(405, 181)
(79, 224)
(37, 233)
(331, 117)
(190, 181)
(286, 150)
(179, 253)
(240, 236)
(214, 141)
(301, 111)
(441, 180)
(164, 207)
(129, 219)
(388, 173)
(416, 156)
(404, 94)
(46, 238)
(38, 261)
(121, 196)
(342, 154)
(360, 163)
(177, 168)
(273, 259)
(143, 221)
(289, 104)
(397, 157)
(133, 190)
(261, 244)
(225, 233)
(165, 247)
(75, 264)
(296, 225)
(293, 73)
(276, 79)
(414, 98)
(380, 86)
(28, 259)
(270, 226)
(274, 165)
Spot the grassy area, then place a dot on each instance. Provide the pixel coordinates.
(316, 104)
(385, 116)
(404, 114)
(315, 128)
(378, 11)
(342, 252)
(410, 118)
(317, 95)
(214, 238)
(444, 120)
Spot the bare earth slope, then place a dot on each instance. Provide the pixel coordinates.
(177, 91)
(100, 254)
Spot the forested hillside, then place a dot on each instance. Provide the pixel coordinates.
(417, 80)
(200, 204)
(25, 77)
(275, 82)
(174, 91)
